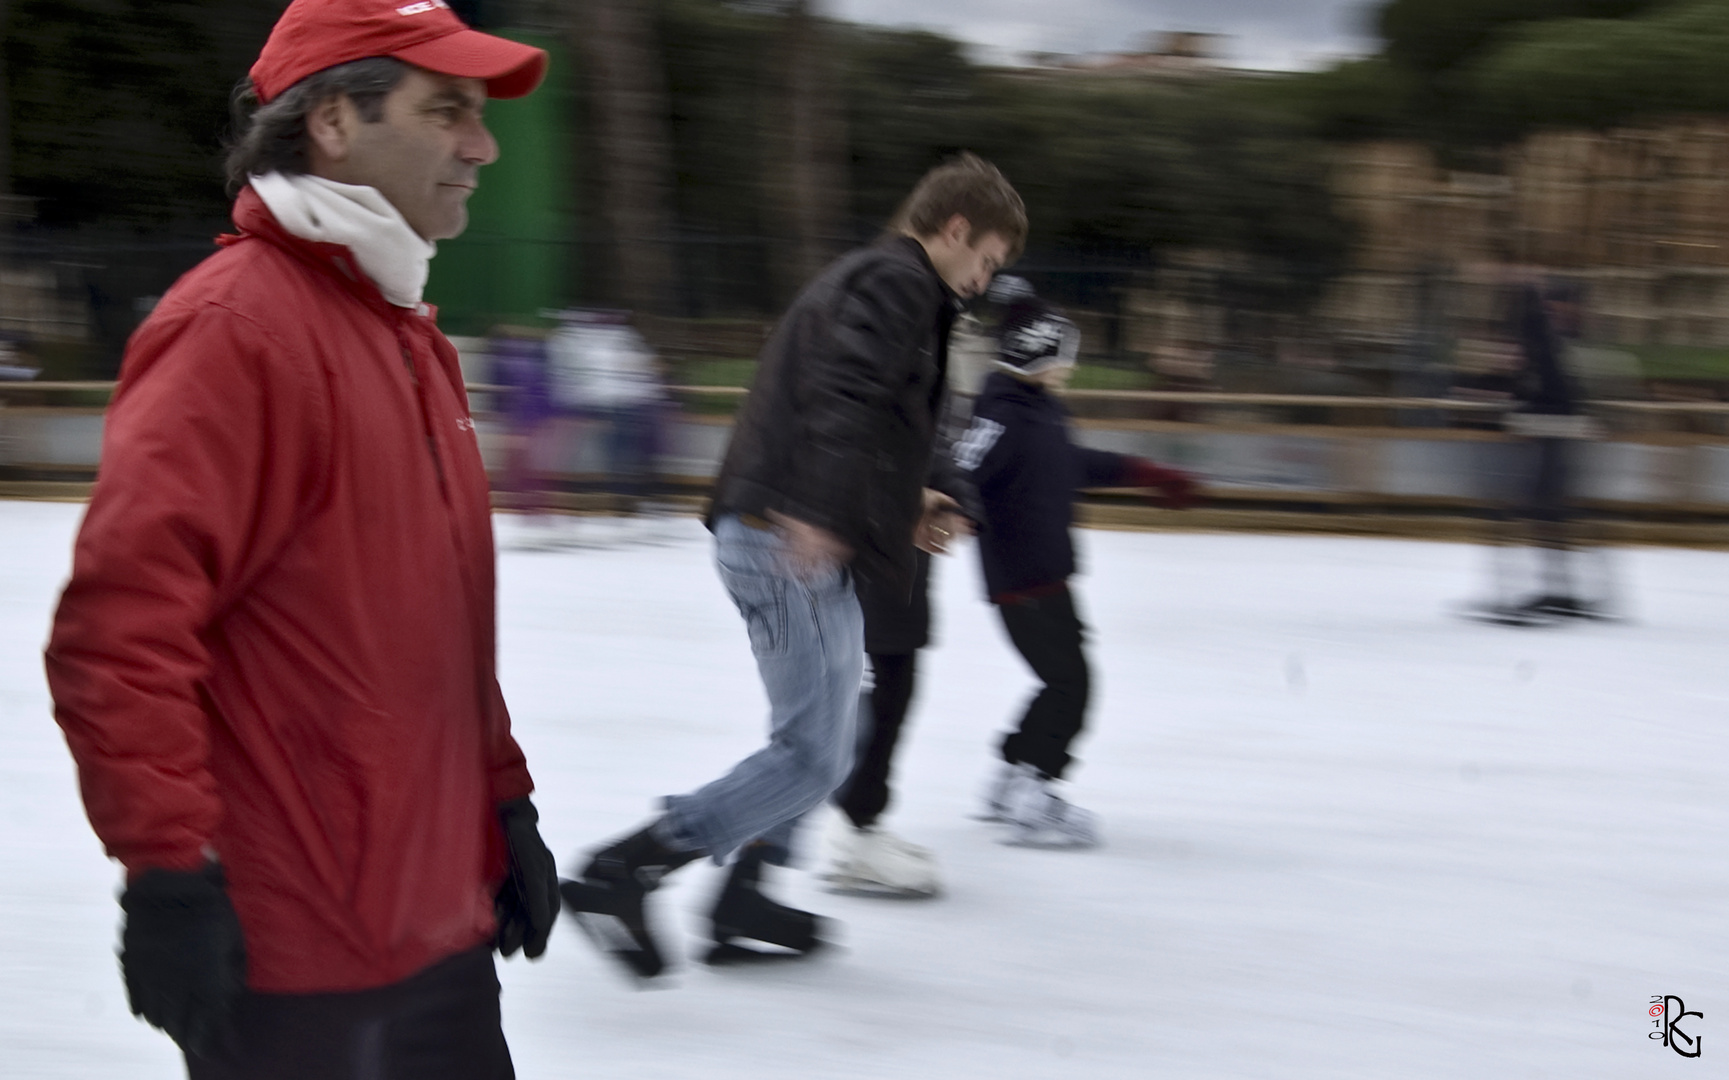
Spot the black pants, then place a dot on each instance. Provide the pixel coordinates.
(1048, 634)
(882, 712)
(440, 1024)
(1530, 502)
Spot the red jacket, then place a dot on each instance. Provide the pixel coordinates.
(278, 641)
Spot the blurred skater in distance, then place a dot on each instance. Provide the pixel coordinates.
(826, 479)
(610, 376)
(1028, 472)
(519, 365)
(1534, 476)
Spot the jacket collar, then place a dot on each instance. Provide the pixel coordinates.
(911, 246)
(255, 221)
(1003, 386)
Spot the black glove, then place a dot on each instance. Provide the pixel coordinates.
(183, 955)
(527, 902)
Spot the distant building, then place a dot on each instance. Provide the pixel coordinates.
(1163, 55)
(1638, 218)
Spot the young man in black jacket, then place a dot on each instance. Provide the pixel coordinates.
(825, 480)
(1028, 473)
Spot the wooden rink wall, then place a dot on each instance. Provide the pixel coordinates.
(1654, 486)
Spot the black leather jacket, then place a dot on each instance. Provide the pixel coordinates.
(840, 424)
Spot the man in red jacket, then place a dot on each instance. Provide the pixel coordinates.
(274, 662)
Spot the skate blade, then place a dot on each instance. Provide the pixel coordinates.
(732, 954)
(612, 935)
(843, 885)
(1042, 840)
(609, 934)
(1508, 617)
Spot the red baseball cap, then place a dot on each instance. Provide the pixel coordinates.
(316, 34)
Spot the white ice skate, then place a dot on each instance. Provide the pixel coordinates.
(875, 862)
(1040, 818)
(996, 802)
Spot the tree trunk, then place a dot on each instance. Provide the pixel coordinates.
(632, 121)
(807, 181)
(5, 110)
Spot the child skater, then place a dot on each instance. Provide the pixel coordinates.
(1028, 472)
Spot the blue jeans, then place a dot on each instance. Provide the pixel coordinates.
(808, 639)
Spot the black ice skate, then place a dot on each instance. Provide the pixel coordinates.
(607, 902)
(744, 919)
(1566, 607)
(1509, 615)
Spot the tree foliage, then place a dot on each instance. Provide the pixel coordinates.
(912, 100)
(119, 107)
(1137, 169)
(1471, 73)
(1596, 72)
(1115, 172)
(1372, 98)
(1432, 36)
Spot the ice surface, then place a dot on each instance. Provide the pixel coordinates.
(1347, 834)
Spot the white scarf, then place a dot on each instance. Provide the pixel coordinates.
(359, 218)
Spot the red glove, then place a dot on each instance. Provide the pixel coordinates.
(1177, 488)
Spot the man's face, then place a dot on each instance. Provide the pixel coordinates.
(425, 154)
(966, 262)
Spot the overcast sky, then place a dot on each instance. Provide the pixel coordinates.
(1282, 34)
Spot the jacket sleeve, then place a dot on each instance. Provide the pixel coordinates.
(878, 322)
(1101, 468)
(946, 475)
(506, 767)
(507, 776)
(210, 448)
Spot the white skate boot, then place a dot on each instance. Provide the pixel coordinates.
(875, 862)
(1038, 817)
(996, 802)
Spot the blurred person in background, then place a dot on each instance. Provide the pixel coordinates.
(1028, 472)
(274, 662)
(519, 365)
(825, 479)
(609, 375)
(1538, 480)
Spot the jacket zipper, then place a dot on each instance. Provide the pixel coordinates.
(425, 417)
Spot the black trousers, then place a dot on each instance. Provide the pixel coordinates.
(882, 712)
(1530, 490)
(439, 1024)
(1048, 634)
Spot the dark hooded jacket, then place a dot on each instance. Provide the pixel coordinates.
(842, 417)
(1028, 471)
(1543, 386)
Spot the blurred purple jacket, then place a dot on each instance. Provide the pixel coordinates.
(519, 365)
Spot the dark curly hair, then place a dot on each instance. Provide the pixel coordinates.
(272, 138)
(975, 189)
